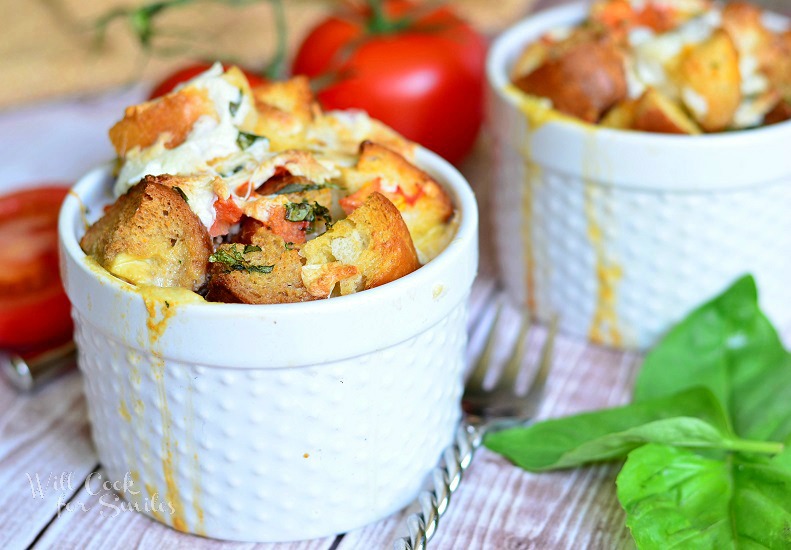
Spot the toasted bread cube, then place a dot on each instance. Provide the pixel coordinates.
(246, 284)
(583, 81)
(285, 109)
(150, 236)
(778, 65)
(621, 116)
(654, 112)
(710, 81)
(335, 277)
(369, 248)
(171, 116)
(530, 59)
(423, 203)
(779, 113)
(288, 96)
(743, 23)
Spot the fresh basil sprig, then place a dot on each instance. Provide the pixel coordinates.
(706, 439)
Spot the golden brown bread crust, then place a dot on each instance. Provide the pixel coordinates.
(173, 114)
(530, 59)
(711, 70)
(374, 240)
(584, 80)
(285, 110)
(779, 113)
(778, 66)
(282, 285)
(743, 22)
(621, 116)
(151, 236)
(654, 112)
(423, 203)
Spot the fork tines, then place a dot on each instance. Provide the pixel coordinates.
(501, 397)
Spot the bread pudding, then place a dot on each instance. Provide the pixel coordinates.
(258, 196)
(666, 66)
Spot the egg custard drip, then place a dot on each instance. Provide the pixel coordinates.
(258, 196)
(666, 66)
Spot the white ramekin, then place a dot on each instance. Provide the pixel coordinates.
(622, 233)
(276, 422)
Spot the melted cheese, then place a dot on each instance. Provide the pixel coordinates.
(211, 139)
(653, 54)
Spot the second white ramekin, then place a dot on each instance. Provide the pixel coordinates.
(622, 233)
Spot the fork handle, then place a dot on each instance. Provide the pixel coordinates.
(446, 476)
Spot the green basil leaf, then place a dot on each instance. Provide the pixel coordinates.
(233, 106)
(306, 212)
(303, 187)
(233, 259)
(299, 212)
(245, 140)
(694, 418)
(675, 498)
(181, 192)
(730, 347)
(260, 268)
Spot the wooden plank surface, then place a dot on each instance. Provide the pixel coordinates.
(44, 438)
(95, 520)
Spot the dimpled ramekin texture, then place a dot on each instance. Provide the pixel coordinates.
(274, 454)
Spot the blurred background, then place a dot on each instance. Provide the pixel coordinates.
(48, 48)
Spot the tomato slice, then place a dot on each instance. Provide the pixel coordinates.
(34, 310)
(188, 73)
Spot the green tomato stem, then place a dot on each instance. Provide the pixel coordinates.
(276, 68)
(381, 23)
(378, 23)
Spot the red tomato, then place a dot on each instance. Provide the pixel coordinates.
(228, 214)
(34, 310)
(426, 79)
(190, 72)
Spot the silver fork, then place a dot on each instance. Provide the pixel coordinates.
(485, 410)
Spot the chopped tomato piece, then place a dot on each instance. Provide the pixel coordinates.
(228, 214)
(400, 198)
(292, 232)
(413, 198)
(620, 16)
(351, 202)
